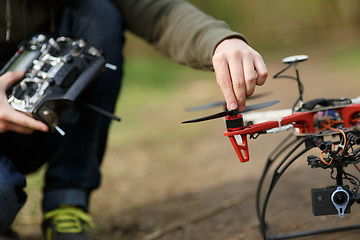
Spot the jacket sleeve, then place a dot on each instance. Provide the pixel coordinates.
(176, 28)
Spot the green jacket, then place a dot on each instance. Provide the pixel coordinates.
(175, 27)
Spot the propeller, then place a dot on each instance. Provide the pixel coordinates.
(233, 112)
(223, 103)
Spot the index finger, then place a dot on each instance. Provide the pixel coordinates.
(223, 77)
(10, 77)
(22, 119)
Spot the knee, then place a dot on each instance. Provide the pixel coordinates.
(12, 198)
(99, 22)
(92, 20)
(106, 28)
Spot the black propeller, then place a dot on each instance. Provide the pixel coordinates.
(223, 103)
(208, 105)
(233, 112)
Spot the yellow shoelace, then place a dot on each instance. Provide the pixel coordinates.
(69, 219)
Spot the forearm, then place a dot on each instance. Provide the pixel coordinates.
(177, 29)
(195, 39)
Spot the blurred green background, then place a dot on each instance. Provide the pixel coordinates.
(274, 24)
(281, 23)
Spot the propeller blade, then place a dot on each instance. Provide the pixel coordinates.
(214, 116)
(223, 103)
(233, 112)
(259, 106)
(206, 106)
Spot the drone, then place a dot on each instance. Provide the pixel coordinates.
(302, 118)
(329, 125)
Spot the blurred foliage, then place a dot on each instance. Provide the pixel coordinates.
(346, 58)
(274, 24)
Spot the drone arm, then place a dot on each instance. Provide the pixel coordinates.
(304, 119)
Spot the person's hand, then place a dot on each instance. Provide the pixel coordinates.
(238, 69)
(10, 119)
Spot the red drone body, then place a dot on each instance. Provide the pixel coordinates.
(303, 121)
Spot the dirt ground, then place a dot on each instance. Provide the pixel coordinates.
(190, 175)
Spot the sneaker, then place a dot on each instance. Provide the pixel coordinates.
(9, 235)
(67, 223)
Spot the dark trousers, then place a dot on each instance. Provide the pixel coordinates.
(73, 160)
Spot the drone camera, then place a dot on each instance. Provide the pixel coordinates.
(331, 200)
(340, 198)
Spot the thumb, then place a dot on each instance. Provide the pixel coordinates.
(9, 78)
